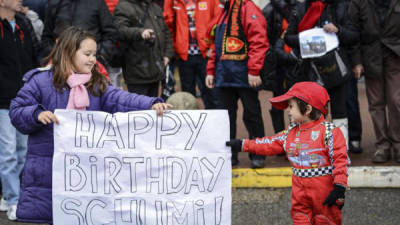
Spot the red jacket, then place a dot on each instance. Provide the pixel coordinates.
(255, 27)
(306, 148)
(111, 4)
(176, 18)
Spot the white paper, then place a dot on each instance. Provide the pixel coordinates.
(316, 42)
(137, 168)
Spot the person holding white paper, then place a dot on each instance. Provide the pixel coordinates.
(72, 82)
(331, 16)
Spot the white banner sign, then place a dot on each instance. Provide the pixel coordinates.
(137, 168)
(316, 42)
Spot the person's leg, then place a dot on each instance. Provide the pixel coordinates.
(392, 75)
(140, 89)
(301, 211)
(228, 100)
(353, 115)
(253, 120)
(209, 96)
(8, 159)
(153, 89)
(318, 189)
(375, 89)
(338, 108)
(187, 75)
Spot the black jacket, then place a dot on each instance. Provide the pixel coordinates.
(143, 60)
(374, 38)
(92, 15)
(17, 56)
(336, 13)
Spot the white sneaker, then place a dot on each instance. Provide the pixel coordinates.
(3, 205)
(12, 212)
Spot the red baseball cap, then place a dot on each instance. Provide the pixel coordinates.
(309, 92)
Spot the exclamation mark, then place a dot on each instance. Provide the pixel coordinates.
(218, 209)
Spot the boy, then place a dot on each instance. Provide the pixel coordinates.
(316, 150)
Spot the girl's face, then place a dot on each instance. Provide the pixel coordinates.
(85, 57)
(294, 113)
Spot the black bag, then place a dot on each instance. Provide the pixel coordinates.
(168, 84)
(329, 70)
(268, 73)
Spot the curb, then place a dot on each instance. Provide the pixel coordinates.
(359, 177)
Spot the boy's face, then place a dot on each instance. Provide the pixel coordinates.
(294, 113)
(85, 57)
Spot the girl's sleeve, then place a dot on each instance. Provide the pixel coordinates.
(116, 100)
(339, 158)
(266, 145)
(25, 108)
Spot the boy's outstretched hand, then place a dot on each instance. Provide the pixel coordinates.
(161, 107)
(336, 197)
(235, 144)
(47, 117)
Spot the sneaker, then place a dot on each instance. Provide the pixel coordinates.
(257, 163)
(354, 147)
(12, 212)
(3, 205)
(381, 156)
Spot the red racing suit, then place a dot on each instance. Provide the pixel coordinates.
(317, 164)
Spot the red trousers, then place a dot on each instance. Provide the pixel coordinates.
(308, 194)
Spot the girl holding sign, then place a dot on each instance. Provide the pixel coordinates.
(70, 82)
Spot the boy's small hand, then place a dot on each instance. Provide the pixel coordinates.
(161, 107)
(47, 117)
(235, 144)
(336, 197)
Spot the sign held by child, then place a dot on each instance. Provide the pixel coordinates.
(140, 168)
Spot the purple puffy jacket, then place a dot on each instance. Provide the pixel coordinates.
(39, 93)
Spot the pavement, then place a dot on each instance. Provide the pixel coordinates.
(271, 206)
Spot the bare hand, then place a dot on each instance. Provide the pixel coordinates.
(47, 117)
(166, 60)
(330, 28)
(254, 81)
(161, 107)
(209, 52)
(147, 34)
(358, 70)
(210, 81)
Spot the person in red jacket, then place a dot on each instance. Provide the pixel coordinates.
(188, 22)
(239, 34)
(316, 150)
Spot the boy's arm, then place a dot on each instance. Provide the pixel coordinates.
(339, 158)
(266, 145)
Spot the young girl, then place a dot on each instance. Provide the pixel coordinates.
(71, 82)
(316, 150)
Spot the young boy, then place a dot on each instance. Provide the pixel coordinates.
(316, 150)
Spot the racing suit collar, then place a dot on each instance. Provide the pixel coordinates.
(311, 124)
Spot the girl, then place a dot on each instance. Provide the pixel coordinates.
(71, 82)
(316, 150)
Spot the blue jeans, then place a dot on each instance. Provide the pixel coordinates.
(13, 146)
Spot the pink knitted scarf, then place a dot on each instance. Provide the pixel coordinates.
(78, 96)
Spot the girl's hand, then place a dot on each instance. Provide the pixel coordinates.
(161, 107)
(47, 117)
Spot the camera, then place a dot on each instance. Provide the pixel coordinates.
(150, 42)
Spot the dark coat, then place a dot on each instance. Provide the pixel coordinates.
(38, 93)
(92, 15)
(373, 37)
(143, 60)
(17, 56)
(336, 13)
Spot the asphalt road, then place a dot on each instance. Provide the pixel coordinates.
(272, 207)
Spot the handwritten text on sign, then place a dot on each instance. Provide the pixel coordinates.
(137, 168)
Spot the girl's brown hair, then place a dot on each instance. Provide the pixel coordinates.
(62, 56)
(315, 114)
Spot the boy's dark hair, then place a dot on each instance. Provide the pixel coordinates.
(315, 113)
